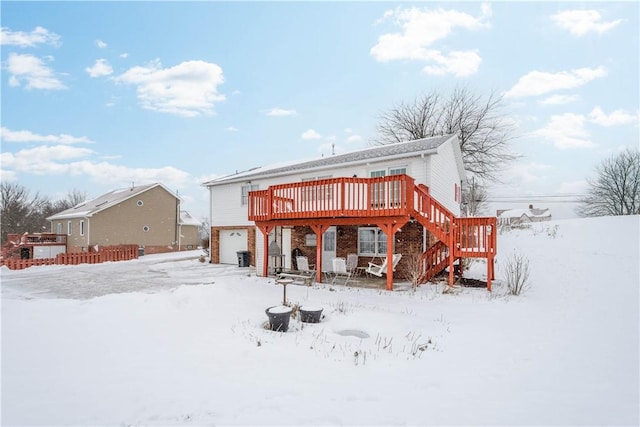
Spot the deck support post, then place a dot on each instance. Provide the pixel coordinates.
(319, 229)
(265, 229)
(390, 230)
(452, 252)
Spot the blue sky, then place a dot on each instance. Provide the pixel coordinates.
(97, 95)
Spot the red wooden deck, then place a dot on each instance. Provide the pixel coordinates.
(389, 202)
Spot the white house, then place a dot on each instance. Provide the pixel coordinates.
(522, 217)
(333, 206)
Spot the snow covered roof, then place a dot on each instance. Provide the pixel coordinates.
(425, 146)
(528, 212)
(91, 207)
(187, 219)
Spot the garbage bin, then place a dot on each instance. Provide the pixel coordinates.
(243, 258)
(140, 251)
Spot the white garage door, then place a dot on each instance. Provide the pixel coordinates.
(232, 241)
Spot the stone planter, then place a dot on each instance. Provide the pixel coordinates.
(279, 316)
(310, 314)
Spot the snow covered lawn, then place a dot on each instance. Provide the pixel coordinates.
(167, 340)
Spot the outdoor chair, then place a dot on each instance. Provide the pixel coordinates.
(352, 263)
(304, 267)
(379, 270)
(340, 271)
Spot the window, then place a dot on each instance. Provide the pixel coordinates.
(139, 203)
(317, 192)
(69, 228)
(378, 191)
(146, 229)
(371, 242)
(82, 228)
(244, 193)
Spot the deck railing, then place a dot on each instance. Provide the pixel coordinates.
(335, 197)
(43, 239)
(475, 237)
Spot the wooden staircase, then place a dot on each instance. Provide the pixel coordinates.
(457, 237)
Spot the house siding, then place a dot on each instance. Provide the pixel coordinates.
(124, 223)
(440, 172)
(444, 178)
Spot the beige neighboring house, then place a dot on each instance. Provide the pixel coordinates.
(522, 217)
(146, 215)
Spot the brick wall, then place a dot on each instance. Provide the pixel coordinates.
(407, 239)
(214, 249)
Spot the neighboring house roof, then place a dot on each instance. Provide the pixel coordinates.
(529, 213)
(426, 146)
(187, 219)
(92, 207)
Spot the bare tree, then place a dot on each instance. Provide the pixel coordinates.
(73, 198)
(483, 130)
(19, 212)
(474, 199)
(616, 189)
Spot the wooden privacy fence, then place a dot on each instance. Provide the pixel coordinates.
(104, 254)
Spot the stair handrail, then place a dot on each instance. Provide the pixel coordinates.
(439, 219)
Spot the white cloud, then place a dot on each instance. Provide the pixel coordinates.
(22, 39)
(310, 134)
(280, 112)
(458, 63)
(59, 160)
(615, 118)
(8, 135)
(232, 129)
(43, 160)
(537, 83)
(31, 70)
(580, 22)
(354, 138)
(124, 55)
(188, 89)
(524, 173)
(101, 44)
(100, 68)
(566, 131)
(348, 130)
(559, 99)
(423, 28)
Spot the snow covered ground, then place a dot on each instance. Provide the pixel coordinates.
(167, 340)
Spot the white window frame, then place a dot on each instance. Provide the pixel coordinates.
(378, 239)
(378, 191)
(69, 228)
(82, 227)
(326, 191)
(244, 192)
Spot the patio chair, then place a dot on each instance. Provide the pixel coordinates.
(340, 271)
(305, 268)
(379, 270)
(352, 263)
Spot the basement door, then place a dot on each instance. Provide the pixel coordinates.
(328, 249)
